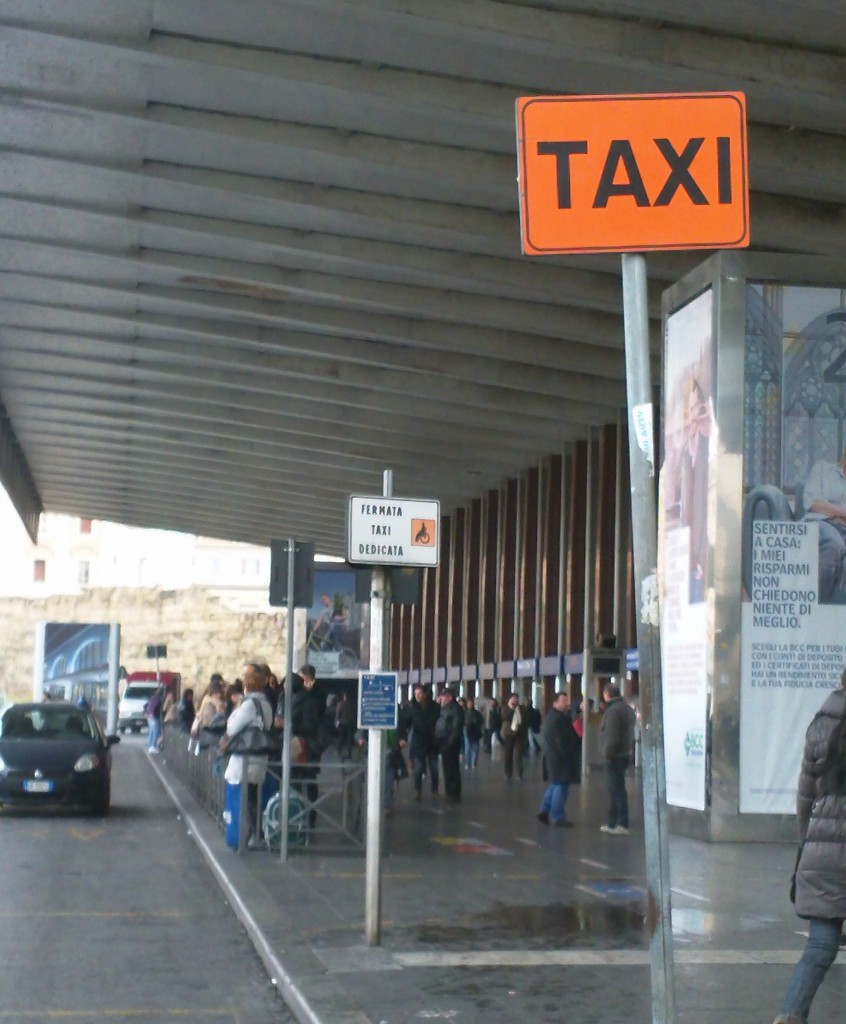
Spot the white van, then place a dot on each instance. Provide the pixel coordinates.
(133, 704)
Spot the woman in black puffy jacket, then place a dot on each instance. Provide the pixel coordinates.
(821, 871)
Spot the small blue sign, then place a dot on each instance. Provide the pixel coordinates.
(377, 700)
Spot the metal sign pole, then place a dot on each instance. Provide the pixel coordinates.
(285, 801)
(114, 677)
(645, 535)
(588, 681)
(376, 752)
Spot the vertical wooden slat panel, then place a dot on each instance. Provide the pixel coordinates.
(442, 605)
(529, 565)
(397, 653)
(430, 590)
(604, 540)
(472, 562)
(457, 570)
(509, 572)
(490, 580)
(551, 558)
(576, 554)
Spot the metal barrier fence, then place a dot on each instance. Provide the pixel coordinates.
(327, 800)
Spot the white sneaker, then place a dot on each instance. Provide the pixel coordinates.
(605, 828)
(618, 830)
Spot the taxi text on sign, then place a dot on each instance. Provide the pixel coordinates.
(633, 173)
(393, 531)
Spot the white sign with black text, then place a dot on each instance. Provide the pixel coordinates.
(393, 531)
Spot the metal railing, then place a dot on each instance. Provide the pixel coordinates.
(327, 801)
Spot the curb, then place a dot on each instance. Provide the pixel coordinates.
(279, 976)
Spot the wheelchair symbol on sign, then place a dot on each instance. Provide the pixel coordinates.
(423, 532)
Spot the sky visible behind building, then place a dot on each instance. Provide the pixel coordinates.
(73, 554)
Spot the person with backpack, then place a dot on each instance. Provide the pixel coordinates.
(253, 712)
(819, 884)
(210, 715)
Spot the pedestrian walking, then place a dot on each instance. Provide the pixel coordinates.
(419, 726)
(473, 727)
(819, 884)
(449, 735)
(561, 767)
(513, 733)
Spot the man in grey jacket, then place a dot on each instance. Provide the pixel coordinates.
(616, 735)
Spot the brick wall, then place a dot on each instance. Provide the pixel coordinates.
(202, 634)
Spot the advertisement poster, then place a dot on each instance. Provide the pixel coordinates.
(337, 632)
(689, 441)
(75, 662)
(794, 532)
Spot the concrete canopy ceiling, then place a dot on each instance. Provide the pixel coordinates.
(256, 252)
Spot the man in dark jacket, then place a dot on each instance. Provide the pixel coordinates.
(560, 747)
(419, 726)
(307, 711)
(616, 736)
(449, 734)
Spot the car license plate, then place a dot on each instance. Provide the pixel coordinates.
(36, 786)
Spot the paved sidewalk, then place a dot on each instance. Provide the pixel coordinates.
(490, 917)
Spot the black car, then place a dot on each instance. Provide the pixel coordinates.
(54, 753)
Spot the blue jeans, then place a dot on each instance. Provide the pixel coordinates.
(555, 801)
(820, 952)
(154, 734)
(471, 752)
(618, 800)
(425, 764)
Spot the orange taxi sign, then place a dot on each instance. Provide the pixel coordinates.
(633, 173)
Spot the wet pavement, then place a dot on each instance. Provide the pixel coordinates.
(489, 916)
(100, 921)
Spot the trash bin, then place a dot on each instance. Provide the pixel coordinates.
(232, 813)
(232, 806)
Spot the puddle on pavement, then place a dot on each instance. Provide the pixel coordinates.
(582, 925)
